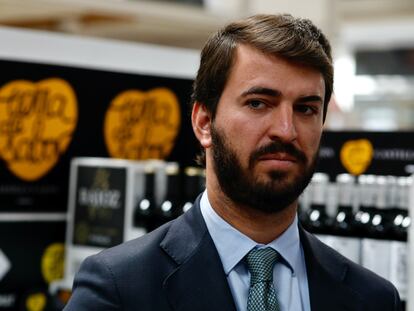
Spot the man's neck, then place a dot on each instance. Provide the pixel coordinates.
(259, 226)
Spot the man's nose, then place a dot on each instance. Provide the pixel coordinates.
(282, 126)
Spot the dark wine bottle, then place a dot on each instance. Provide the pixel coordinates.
(170, 204)
(193, 186)
(401, 220)
(366, 195)
(344, 220)
(316, 219)
(144, 209)
(380, 222)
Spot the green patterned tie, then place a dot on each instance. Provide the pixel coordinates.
(262, 294)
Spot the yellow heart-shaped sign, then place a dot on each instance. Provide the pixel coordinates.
(37, 121)
(52, 262)
(356, 155)
(142, 125)
(36, 302)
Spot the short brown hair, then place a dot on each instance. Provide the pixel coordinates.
(295, 39)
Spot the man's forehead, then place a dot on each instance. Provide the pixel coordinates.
(250, 70)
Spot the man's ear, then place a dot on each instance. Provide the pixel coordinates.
(201, 121)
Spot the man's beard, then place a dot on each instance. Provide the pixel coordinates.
(243, 188)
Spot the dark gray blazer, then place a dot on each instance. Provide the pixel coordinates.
(177, 267)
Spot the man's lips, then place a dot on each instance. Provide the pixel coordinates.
(280, 156)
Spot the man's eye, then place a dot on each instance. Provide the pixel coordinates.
(306, 109)
(256, 104)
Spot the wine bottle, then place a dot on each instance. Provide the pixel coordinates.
(316, 219)
(170, 204)
(193, 186)
(144, 209)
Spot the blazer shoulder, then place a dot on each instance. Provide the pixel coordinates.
(174, 241)
(137, 251)
(372, 286)
(135, 273)
(124, 276)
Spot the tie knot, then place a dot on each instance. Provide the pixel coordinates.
(260, 263)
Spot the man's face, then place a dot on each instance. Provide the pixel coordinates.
(266, 132)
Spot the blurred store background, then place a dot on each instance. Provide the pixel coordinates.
(83, 82)
(373, 41)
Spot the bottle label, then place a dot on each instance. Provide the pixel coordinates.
(375, 256)
(100, 202)
(399, 267)
(346, 246)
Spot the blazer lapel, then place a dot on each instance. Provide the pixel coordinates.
(199, 281)
(326, 273)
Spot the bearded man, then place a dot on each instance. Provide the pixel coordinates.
(259, 102)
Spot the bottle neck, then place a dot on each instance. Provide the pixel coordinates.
(347, 209)
(192, 187)
(149, 186)
(173, 188)
(319, 207)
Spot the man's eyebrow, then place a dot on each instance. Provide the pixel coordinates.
(261, 91)
(310, 98)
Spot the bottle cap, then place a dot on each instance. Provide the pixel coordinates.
(172, 168)
(192, 171)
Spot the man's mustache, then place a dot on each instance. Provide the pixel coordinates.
(275, 147)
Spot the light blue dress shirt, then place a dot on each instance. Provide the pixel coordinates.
(289, 275)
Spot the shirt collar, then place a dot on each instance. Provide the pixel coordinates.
(232, 245)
